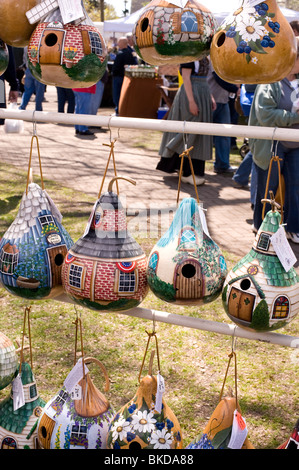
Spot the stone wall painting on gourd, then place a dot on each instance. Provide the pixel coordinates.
(15, 28)
(255, 44)
(105, 270)
(76, 420)
(186, 266)
(258, 293)
(69, 55)
(8, 361)
(173, 32)
(33, 248)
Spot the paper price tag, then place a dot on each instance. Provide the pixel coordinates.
(75, 376)
(239, 431)
(71, 10)
(283, 250)
(76, 393)
(159, 394)
(18, 393)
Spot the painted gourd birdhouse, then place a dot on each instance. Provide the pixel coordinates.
(293, 442)
(186, 266)
(14, 25)
(18, 426)
(33, 248)
(218, 431)
(255, 44)
(68, 55)
(4, 57)
(258, 293)
(71, 422)
(174, 32)
(139, 425)
(105, 269)
(8, 361)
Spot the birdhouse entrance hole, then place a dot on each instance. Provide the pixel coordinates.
(59, 259)
(221, 39)
(188, 271)
(135, 446)
(43, 432)
(245, 284)
(144, 25)
(51, 39)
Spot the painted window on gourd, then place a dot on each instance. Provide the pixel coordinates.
(222, 263)
(33, 391)
(9, 443)
(76, 273)
(189, 23)
(153, 261)
(95, 43)
(126, 282)
(46, 220)
(187, 239)
(78, 432)
(281, 308)
(8, 262)
(263, 242)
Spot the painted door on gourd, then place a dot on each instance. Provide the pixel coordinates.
(45, 431)
(56, 257)
(51, 47)
(188, 281)
(144, 30)
(240, 304)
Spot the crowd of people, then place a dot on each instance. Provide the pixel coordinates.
(202, 97)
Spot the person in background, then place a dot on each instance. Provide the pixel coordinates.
(221, 92)
(31, 86)
(277, 105)
(123, 57)
(193, 102)
(83, 97)
(295, 27)
(11, 78)
(65, 95)
(97, 98)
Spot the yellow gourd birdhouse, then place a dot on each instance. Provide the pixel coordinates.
(255, 44)
(173, 32)
(15, 28)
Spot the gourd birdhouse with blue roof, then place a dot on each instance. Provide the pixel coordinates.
(258, 293)
(64, 51)
(255, 44)
(173, 32)
(105, 269)
(33, 248)
(186, 266)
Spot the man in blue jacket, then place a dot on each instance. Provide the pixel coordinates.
(124, 57)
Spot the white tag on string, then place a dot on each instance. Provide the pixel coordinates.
(160, 391)
(239, 431)
(18, 393)
(90, 219)
(76, 393)
(53, 208)
(71, 10)
(203, 221)
(75, 376)
(283, 249)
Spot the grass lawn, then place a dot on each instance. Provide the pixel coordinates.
(193, 362)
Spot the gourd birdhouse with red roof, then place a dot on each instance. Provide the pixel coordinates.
(64, 52)
(174, 32)
(258, 293)
(105, 269)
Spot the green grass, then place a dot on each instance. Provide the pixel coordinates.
(193, 362)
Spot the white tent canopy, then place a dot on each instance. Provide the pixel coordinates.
(220, 12)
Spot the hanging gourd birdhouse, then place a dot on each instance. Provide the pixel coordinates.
(255, 44)
(79, 415)
(105, 269)
(218, 432)
(63, 52)
(260, 293)
(173, 32)
(8, 361)
(146, 421)
(15, 28)
(293, 442)
(33, 248)
(4, 57)
(186, 266)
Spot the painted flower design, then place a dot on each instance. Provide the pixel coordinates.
(251, 30)
(241, 14)
(143, 421)
(161, 439)
(120, 429)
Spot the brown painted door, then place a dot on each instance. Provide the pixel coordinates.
(144, 30)
(188, 280)
(240, 304)
(56, 257)
(51, 47)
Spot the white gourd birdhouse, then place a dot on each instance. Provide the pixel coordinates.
(8, 361)
(186, 266)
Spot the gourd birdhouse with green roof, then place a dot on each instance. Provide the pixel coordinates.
(186, 266)
(174, 32)
(18, 427)
(258, 293)
(105, 270)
